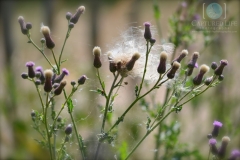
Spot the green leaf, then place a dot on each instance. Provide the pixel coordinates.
(136, 90)
(70, 105)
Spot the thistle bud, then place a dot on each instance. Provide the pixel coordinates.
(152, 41)
(64, 73)
(42, 78)
(217, 125)
(130, 64)
(176, 65)
(192, 63)
(46, 33)
(183, 54)
(97, 53)
(223, 147)
(33, 115)
(38, 74)
(38, 82)
(29, 25)
(42, 40)
(162, 64)
(208, 81)
(212, 143)
(68, 129)
(234, 155)
(75, 17)
(59, 89)
(112, 65)
(71, 25)
(59, 119)
(219, 70)
(31, 72)
(73, 83)
(48, 80)
(68, 15)
(198, 79)
(55, 85)
(82, 79)
(214, 65)
(22, 25)
(220, 78)
(147, 33)
(24, 75)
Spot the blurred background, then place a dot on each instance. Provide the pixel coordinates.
(101, 24)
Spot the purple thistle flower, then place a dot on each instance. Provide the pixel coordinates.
(31, 72)
(64, 73)
(147, 33)
(212, 143)
(234, 155)
(217, 125)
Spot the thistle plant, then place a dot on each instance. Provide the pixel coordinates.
(136, 55)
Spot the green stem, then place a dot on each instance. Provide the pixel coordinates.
(60, 151)
(107, 102)
(145, 67)
(46, 126)
(58, 68)
(41, 51)
(101, 83)
(148, 132)
(135, 101)
(79, 138)
(65, 40)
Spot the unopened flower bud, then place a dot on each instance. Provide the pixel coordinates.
(147, 33)
(22, 25)
(217, 125)
(220, 78)
(33, 114)
(75, 17)
(112, 65)
(82, 79)
(68, 15)
(208, 81)
(59, 89)
(24, 75)
(38, 74)
(59, 119)
(55, 85)
(71, 25)
(64, 73)
(40, 70)
(183, 54)
(223, 147)
(192, 63)
(219, 70)
(214, 65)
(212, 143)
(152, 41)
(130, 64)
(163, 63)
(31, 72)
(73, 83)
(198, 79)
(29, 25)
(97, 52)
(235, 154)
(176, 65)
(42, 40)
(38, 82)
(48, 80)
(46, 33)
(209, 136)
(68, 129)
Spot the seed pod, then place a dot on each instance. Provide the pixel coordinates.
(59, 89)
(198, 79)
(48, 80)
(163, 63)
(130, 64)
(46, 33)
(97, 53)
(173, 70)
(79, 12)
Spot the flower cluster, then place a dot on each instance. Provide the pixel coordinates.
(220, 152)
